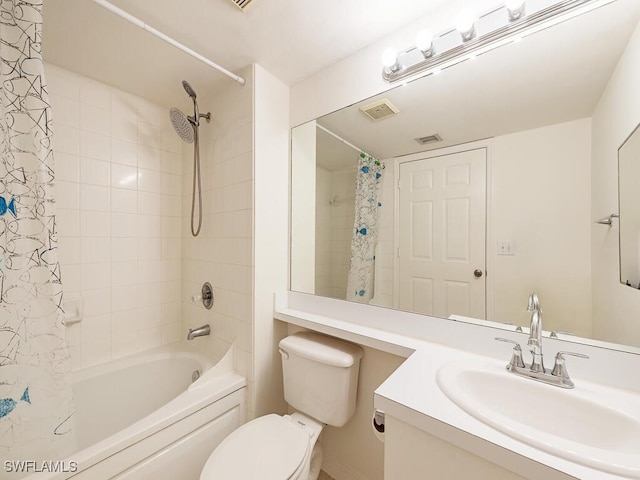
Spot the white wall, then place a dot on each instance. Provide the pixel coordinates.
(118, 190)
(271, 232)
(539, 198)
(614, 119)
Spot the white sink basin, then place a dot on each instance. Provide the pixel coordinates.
(583, 425)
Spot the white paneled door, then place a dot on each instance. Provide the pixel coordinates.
(441, 234)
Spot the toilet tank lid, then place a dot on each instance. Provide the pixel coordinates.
(321, 348)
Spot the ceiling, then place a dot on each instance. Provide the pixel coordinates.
(291, 39)
(551, 77)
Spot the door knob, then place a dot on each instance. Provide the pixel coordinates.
(477, 273)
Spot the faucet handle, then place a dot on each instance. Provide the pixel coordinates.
(516, 357)
(559, 369)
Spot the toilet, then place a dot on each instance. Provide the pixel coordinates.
(320, 376)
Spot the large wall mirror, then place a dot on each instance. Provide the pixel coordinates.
(629, 196)
(490, 177)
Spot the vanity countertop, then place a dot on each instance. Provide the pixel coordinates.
(411, 394)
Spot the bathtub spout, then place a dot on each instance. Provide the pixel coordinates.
(198, 332)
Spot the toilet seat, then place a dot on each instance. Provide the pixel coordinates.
(267, 448)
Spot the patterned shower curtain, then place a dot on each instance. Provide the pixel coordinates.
(35, 397)
(365, 234)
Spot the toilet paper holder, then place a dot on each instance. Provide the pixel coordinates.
(378, 421)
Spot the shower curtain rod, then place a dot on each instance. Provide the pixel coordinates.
(338, 137)
(139, 23)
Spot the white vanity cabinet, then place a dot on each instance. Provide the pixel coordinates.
(412, 454)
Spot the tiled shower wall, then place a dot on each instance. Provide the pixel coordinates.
(119, 195)
(222, 254)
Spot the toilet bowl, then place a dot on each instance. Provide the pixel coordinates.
(271, 447)
(320, 377)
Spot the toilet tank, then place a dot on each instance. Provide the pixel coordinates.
(321, 376)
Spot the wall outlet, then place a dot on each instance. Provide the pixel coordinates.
(505, 247)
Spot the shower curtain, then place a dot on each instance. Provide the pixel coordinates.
(365, 232)
(35, 397)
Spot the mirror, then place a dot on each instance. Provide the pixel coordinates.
(526, 136)
(629, 199)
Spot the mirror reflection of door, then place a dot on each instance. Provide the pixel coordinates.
(629, 201)
(441, 235)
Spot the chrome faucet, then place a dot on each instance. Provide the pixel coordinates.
(535, 333)
(536, 371)
(198, 332)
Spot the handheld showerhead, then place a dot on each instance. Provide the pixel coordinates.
(189, 89)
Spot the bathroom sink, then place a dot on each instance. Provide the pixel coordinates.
(583, 425)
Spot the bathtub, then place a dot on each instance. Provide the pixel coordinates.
(141, 417)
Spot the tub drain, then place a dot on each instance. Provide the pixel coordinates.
(195, 375)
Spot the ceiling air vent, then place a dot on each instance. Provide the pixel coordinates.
(429, 139)
(379, 110)
(241, 4)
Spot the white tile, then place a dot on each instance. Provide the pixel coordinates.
(124, 345)
(95, 197)
(66, 140)
(124, 225)
(65, 111)
(124, 151)
(67, 195)
(124, 249)
(149, 226)
(170, 141)
(149, 317)
(67, 167)
(68, 250)
(149, 134)
(148, 180)
(149, 158)
(95, 250)
(124, 176)
(170, 184)
(149, 203)
(97, 302)
(151, 113)
(95, 93)
(124, 298)
(124, 128)
(62, 82)
(149, 271)
(95, 145)
(95, 276)
(95, 224)
(124, 201)
(171, 333)
(150, 338)
(95, 328)
(123, 104)
(150, 294)
(95, 119)
(95, 353)
(70, 278)
(171, 163)
(171, 205)
(149, 248)
(124, 273)
(95, 172)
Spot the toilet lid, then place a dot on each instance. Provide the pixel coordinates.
(267, 448)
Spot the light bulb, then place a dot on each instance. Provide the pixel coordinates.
(424, 43)
(515, 8)
(466, 25)
(390, 59)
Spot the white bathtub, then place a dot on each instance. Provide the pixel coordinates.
(141, 417)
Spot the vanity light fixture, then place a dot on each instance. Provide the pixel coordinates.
(466, 25)
(475, 35)
(515, 9)
(390, 60)
(424, 43)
